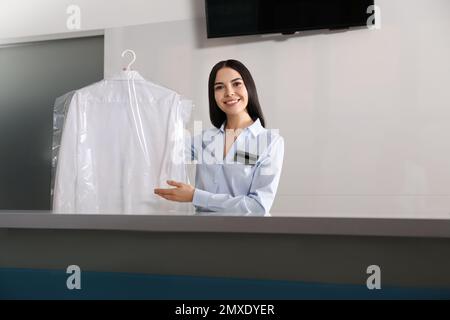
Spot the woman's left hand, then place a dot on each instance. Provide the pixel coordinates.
(182, 193)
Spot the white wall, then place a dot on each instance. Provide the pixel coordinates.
(364, 113)
(28, 18)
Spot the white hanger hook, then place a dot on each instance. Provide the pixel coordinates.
(133, 55)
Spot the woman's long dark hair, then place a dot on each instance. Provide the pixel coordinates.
(216, 115)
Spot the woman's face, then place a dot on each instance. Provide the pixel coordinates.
(230, 92)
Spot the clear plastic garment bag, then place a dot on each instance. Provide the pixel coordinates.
(122, 137)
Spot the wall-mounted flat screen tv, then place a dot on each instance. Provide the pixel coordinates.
(227, 18)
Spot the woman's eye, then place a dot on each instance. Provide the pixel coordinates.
(218, 87)
(237, 84)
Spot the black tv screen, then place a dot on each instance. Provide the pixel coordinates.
(245, 17)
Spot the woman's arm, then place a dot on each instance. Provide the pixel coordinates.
(259, 200)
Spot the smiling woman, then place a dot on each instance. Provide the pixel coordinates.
(245, 159)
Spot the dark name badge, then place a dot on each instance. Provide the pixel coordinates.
(245, 157)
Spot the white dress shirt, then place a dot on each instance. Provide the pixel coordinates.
(121, 139)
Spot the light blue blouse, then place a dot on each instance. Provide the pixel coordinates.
(246, 181)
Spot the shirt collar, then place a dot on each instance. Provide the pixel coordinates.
(127, 75)
(255, 128)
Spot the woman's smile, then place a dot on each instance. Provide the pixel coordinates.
(232, 103)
